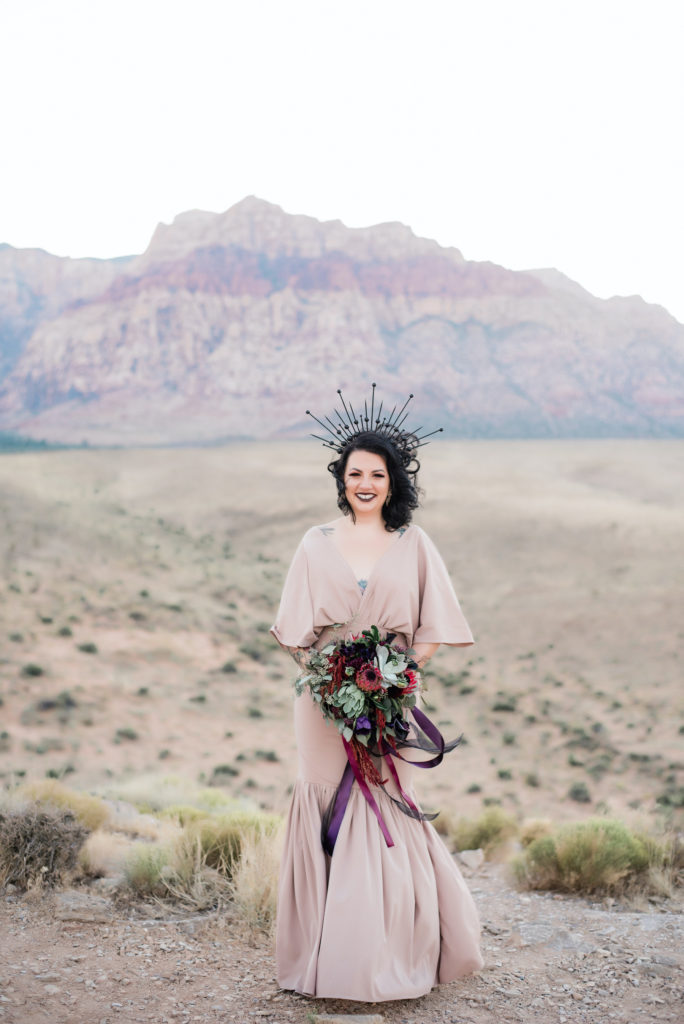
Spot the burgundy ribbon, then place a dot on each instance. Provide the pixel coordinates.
(353, 771)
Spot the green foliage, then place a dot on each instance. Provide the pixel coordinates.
(229, 667)
(65, 631)
(221, 838)
(580, 793)
(488, 832)
(144, 868)
(505, 702)
(32, 670)
(597, 856)
(88, 648)
(125, 733)
(38, 845)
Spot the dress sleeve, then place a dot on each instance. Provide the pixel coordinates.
(441, 620)
(294, 624)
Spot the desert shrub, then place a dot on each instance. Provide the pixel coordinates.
(253, 712)
(63, 701)
(266, 755)
(91, 811)
(223, 772)
(144, 867)
(222, 837)
(16, 638)
(598, 856)
(229, 667)
(184, 814)
(102, 854)
(509, 739)
(125, 733)
(65, 631)
(580, 793)
(534, 828)
(504, 702)
(258, 649)
(198, 698)
(88, 648)
(253, 887)
(488, 832)
(32, 669)
(532, 780)
(474, 787)
(38, 845)
(5, 741)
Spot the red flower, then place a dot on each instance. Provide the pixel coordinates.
(413, 681)
(369, 678)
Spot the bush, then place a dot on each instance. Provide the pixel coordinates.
(88, 648)
(221, 839)
(594, 857)
(144, 867)
(125, 733)
(253, 887)
(488, 832)
(580, 793)
(32, 670)
(89, 810)
(38, 845)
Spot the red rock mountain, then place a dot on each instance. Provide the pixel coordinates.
(233, 324)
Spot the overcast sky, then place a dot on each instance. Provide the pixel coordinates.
(533, 133)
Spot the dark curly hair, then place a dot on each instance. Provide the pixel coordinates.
(404, 489)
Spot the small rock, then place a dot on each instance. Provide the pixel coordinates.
(82, 906)
(471, 859)
(348, 1018)
(51, 990)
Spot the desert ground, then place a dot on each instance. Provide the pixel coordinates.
(138, 587)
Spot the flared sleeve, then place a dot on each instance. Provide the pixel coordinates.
(294, 624)
(441, 620)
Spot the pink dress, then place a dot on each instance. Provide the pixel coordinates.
(372, 922)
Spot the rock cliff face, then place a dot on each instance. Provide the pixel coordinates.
(232, 324)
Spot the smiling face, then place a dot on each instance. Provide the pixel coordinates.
(366, 483)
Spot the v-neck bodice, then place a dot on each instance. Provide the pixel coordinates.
(364, 581)
(408, 593)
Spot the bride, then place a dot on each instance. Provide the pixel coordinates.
(372, 922)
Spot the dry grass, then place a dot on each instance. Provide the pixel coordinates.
(104, 854)
(600, 857)
(91, 811)
(254, 883)
(491, 831)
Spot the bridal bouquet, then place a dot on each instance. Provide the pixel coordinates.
(365, 686)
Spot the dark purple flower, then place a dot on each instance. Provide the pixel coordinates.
(362, 724)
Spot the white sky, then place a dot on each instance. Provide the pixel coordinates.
(528, 132)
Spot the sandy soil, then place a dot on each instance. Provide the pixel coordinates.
(547, 958)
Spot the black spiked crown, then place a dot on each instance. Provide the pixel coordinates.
(391, 426)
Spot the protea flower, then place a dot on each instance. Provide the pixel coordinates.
(369, 678)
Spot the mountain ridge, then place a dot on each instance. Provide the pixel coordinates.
(232, 324)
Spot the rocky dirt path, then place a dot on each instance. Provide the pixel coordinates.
(73, 958)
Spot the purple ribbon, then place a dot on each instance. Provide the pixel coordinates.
(353, 771)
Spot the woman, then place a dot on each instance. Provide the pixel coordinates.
(372, 922)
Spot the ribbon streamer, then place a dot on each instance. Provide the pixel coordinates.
(333, 818)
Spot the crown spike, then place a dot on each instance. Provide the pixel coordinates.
(325, 427)
(339, 392)
(344, 427)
